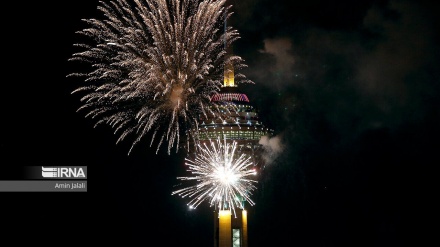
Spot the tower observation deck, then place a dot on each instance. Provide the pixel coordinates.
(238, 121)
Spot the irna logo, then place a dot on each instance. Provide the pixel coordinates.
(62, 172)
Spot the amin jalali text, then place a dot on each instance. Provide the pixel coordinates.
(70, 186)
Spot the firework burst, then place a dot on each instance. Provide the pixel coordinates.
(222, 177)
(154, 66)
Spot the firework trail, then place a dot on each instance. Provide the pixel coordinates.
(222, 177)
(154, 66)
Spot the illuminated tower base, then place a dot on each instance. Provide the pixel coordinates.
(230, 230)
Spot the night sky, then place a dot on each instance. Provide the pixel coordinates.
(351, 89)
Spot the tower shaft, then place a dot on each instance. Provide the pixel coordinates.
(230, 230)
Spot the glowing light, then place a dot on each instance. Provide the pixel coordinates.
(221, 176)
(155, 64)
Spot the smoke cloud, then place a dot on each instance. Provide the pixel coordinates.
(373, 74)
(280, 49)
(273, 146)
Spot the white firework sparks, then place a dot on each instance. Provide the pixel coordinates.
(155, 65)
(222, 177)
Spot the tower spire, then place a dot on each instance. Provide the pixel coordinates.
(228, 80)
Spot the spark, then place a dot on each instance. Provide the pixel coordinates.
(222, 176)
(154, 66)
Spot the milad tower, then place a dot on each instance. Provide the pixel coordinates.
(239, 122)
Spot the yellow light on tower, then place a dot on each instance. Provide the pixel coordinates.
(228, 75)
(244, 227)
(224, 225)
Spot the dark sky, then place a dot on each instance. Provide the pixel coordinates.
(350, 87)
